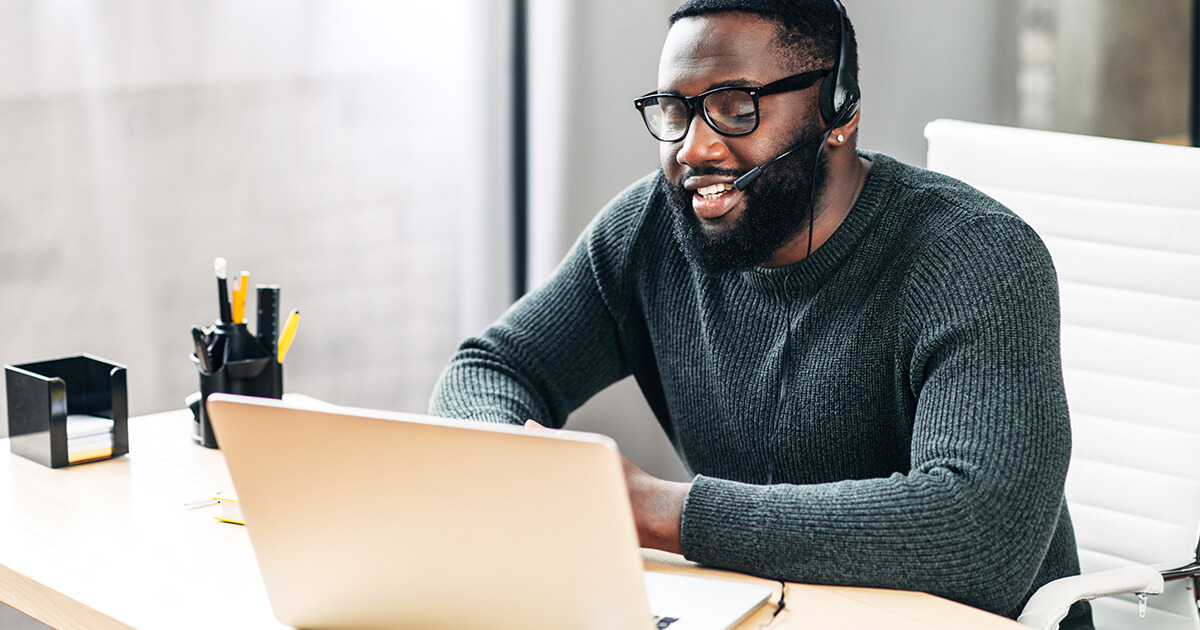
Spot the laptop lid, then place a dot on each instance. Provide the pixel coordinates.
(368, 519)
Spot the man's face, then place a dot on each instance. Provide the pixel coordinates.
(720, 227)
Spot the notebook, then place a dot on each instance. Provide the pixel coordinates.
(368, 519)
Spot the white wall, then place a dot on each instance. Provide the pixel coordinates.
(927, 59)
(347, 151)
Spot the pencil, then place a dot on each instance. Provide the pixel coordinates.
(289, 333)
(239, 297)
(238, 306)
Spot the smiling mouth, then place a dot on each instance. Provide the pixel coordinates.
(715, 201)
(713, 191)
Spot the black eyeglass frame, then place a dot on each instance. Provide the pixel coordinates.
(692, 104)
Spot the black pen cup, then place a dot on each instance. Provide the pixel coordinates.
(240, 365)
(67, 411)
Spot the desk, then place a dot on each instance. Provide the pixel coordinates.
(111, 545)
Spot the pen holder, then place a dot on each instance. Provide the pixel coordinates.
(241, 365)
(67, 411)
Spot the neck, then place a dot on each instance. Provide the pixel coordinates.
(848, 175)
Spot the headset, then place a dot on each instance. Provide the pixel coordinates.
(838, 101)
(839, 97)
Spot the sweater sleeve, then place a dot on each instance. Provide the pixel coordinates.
(973, 517)
(557, 346)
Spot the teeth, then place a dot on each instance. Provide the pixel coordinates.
(714, 190)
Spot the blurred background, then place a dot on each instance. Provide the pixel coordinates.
(402, 169)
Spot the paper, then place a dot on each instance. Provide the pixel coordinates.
(88, 438)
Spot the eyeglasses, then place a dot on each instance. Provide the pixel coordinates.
(730, 111)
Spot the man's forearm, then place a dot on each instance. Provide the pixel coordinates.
(657, 508)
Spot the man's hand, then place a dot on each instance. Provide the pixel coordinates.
(657, 504)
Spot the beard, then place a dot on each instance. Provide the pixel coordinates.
(778, 206)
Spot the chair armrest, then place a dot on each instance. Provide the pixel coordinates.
(1051, 602)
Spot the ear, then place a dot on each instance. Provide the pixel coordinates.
(846, 131)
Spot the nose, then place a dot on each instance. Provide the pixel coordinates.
(702, 145)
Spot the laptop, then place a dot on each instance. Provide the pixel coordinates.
(369, 519)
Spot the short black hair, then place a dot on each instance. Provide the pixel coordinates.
(808, 29)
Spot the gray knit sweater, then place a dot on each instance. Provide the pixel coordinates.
(887, 412)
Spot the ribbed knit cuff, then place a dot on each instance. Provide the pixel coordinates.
(720, 523)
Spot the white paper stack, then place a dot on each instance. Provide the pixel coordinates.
(88, 438)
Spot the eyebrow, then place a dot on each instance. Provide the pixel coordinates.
(716, 86)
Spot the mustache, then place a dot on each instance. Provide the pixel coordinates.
(700, 172)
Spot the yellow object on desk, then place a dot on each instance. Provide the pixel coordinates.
(231, 510)
(240, 285)
(289, 333)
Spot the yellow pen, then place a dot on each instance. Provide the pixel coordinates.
(239, 297)
(289, 333)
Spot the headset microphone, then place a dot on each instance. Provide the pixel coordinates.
(749, 176)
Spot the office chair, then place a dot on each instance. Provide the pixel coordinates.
(1122, 221)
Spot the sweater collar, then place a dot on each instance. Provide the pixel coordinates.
(814, 270)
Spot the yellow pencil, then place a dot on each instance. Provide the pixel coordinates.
(289, 333)
(238, 307)
(239, 297)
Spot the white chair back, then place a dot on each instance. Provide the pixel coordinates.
(1122, 221)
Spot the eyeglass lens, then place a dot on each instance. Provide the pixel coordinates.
(730, 111)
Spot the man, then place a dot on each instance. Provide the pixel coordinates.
(858, 359)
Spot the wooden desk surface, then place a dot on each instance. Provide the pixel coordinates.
(111, 545)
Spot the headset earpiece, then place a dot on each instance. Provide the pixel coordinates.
(839, 91)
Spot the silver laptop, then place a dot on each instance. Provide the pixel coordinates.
(367, 519)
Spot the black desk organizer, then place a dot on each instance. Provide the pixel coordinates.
(41, 395)
(242, 364)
